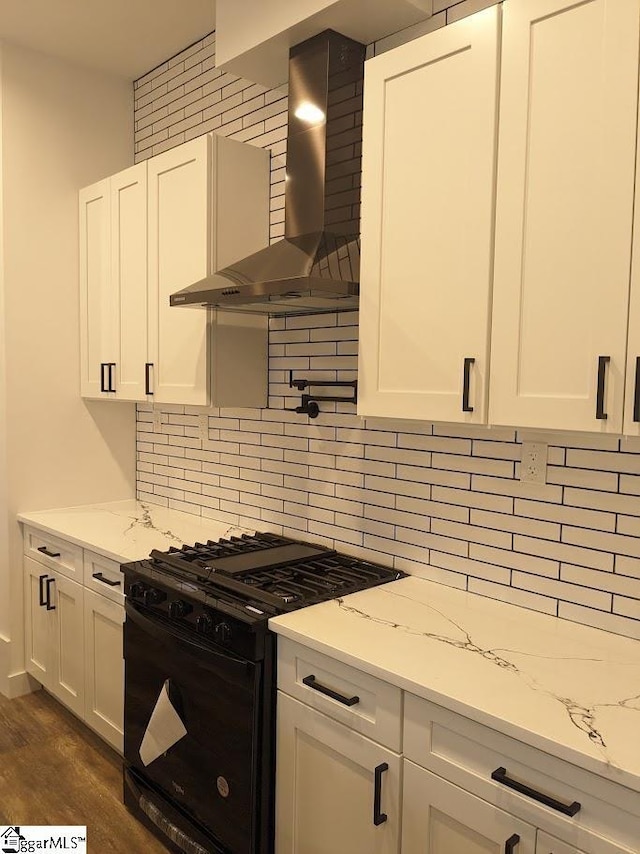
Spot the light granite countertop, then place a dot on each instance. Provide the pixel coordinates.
(567, 689)
(127, 530)
(570, 690)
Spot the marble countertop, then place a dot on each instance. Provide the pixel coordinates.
(127, 530)
(564, 688)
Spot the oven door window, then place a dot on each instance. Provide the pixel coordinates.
(212, 771)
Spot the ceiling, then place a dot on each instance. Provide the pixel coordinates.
(122, 37)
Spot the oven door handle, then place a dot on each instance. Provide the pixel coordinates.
(204, 653)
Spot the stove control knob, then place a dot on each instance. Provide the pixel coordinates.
(223, 633)
(153, 596)
(136, 591)
(204, 624)
(178, 608)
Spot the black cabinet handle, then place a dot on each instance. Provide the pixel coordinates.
(465, 385)
(103, 387)
(603, 361)
(111, 366)
(147, 378)
(500, 776)
(45, 551)
(49, 582)
(510, 844)
(42, 600)
(100, 577)
(636, 396)
(378, 816)
(310, 681)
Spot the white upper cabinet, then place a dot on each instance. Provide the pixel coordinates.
(129, 279)
(150, 231)
(179, 254)
(427, 221)
(97, 335)
(113, 286)
(565, 187)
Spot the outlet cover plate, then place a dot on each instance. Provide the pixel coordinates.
(533, 464)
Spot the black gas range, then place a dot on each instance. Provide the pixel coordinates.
(200, 664)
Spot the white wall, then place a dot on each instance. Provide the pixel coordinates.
(62, 128)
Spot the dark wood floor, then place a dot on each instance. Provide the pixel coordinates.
(54, 770)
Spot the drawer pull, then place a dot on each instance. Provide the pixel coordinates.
(45, 551)
(378, 816)
(49, 582)
(310, 682)
(510, 844)
(42, 601)
(500, 776)
(100, 577)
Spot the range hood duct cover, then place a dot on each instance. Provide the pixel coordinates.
(316, 267)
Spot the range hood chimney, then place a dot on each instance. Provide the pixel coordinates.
(316, 267)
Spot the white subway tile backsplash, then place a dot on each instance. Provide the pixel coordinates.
(514, 560)
(616, 543)
(565, 553)
(609, 581)
(473, 533)
(443, 501)
(599, 620)
(562, 590)
(566, 515)
(524, 599)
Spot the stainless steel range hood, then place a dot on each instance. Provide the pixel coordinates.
(316, 267)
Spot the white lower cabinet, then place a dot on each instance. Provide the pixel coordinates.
(548, 845)
(337, 791)
(73, 636)
(104, 667)
(447, 784)
(441, 818)
(54, 632)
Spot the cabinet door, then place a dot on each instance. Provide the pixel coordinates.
(38, 623)
(98, 304)
(104, 667)
(427, 224)
(440, 818)
(179, 255)
(129, 279)
(568, 109)
(67, 678)
(325, 786)
(549, 845)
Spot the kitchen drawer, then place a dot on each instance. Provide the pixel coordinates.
(466, 753)
(375, 708)
(53, 552)
(103, 576)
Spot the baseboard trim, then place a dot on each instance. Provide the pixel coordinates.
(19, 684)
(13, 685)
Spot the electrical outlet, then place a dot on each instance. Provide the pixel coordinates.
(203, 427)
(533, 465)
(157, 421)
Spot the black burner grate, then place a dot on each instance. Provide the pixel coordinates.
(266, 568)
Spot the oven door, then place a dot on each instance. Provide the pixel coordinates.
(212, 772)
